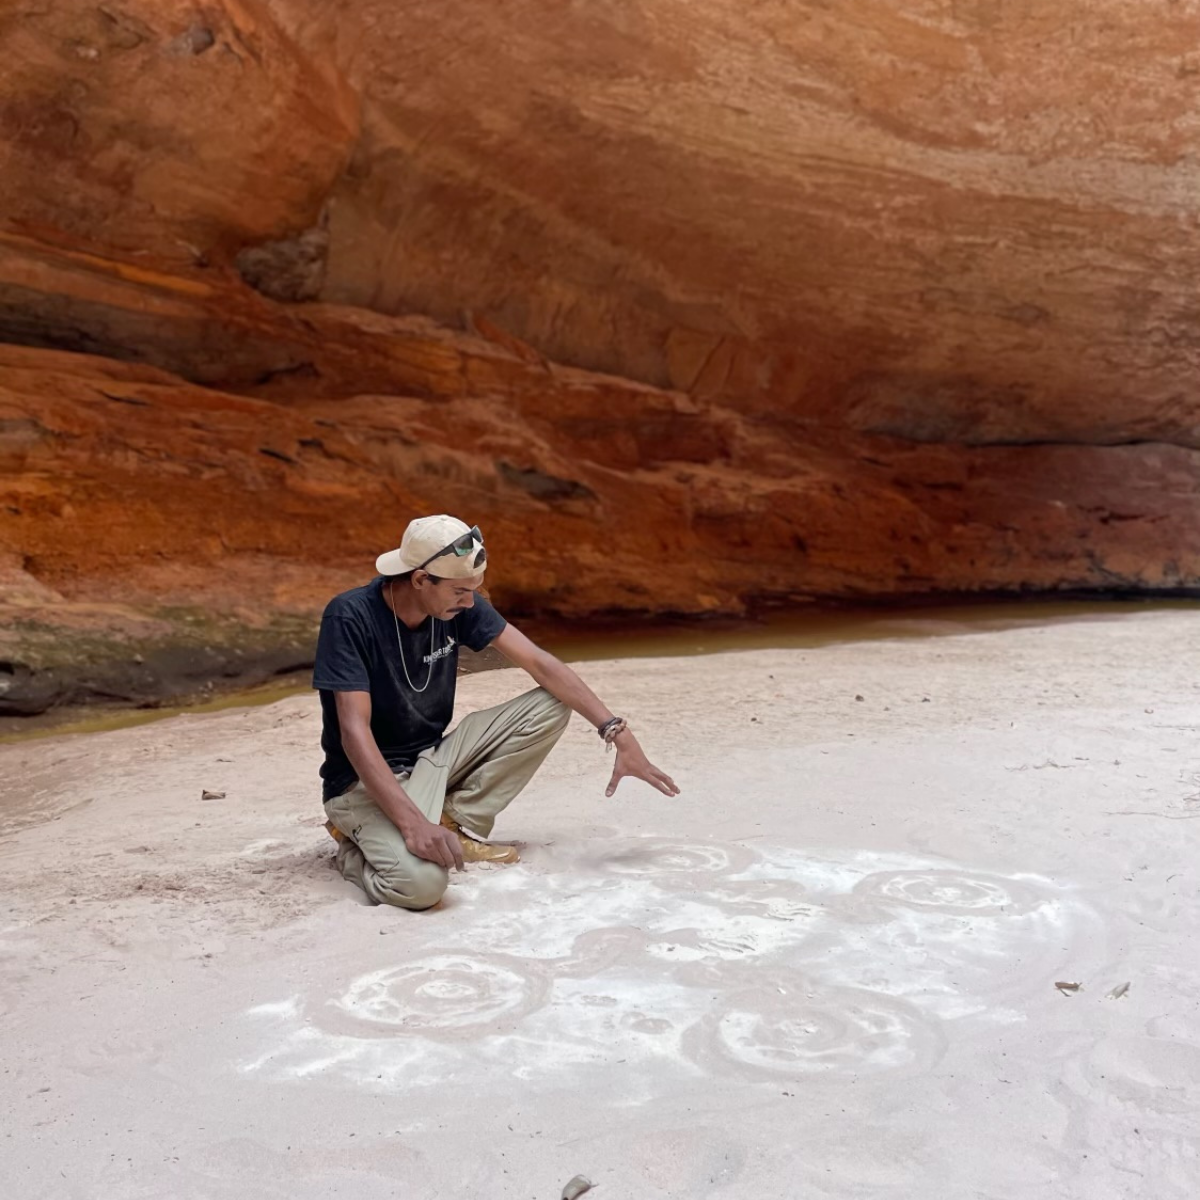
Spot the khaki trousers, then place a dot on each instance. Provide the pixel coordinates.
(472, 774)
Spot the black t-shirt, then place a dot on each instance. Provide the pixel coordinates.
(357, 652)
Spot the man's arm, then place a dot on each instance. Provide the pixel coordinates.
(561, 682)
(424, 838)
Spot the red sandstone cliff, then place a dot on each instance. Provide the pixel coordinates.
(906, 291)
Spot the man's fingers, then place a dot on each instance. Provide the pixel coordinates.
(443, 849)
(661, 780)
(652, 775)
(456, 855)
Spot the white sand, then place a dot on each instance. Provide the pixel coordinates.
(826, 970)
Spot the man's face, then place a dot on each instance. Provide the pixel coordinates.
(448, 598)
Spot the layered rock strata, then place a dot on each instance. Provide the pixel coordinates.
(139, 507)
(868, 301)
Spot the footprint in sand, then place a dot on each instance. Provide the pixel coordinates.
(447, 996)
(1150, 1075)
(1137, 1097)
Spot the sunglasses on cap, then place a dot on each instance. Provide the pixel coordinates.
(460, 548)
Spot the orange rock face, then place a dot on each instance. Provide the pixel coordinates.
(597, 494)
(733, 304)
(173, 133)
(951, 221)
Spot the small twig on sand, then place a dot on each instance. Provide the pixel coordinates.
(1165, 816)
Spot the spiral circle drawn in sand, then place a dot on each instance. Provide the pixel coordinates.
(950, 891)
(845, 1033)
(446, 993)
(818, 975)
(672, 858)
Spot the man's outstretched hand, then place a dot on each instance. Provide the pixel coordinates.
(632, 763)
(435, 843)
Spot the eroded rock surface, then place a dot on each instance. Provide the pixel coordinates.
(942, 220)
(720, 304)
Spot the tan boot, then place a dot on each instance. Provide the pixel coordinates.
(334, 832)
(473, 851)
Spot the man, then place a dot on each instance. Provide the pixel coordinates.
(401, 797)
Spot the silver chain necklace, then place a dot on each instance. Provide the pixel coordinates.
(400, 647)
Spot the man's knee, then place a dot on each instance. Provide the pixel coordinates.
(553, 714)
(420, 886)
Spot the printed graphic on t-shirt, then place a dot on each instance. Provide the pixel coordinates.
(440, 652)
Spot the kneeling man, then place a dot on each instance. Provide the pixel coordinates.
(398, 792)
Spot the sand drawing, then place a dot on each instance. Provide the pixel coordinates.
(830, 1031)
(765, 964)
(949, 891)
(446, 995)
(676, 858)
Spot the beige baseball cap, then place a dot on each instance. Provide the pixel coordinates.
(441, 545)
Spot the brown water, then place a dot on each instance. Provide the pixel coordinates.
(634, 639)
(97, 718)
(829, 627)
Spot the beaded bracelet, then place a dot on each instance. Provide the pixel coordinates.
(612, 729)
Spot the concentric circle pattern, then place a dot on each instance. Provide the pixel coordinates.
(951, 891)
(834, 1034)
(659, 858)
(448, 995)
(758, 965)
